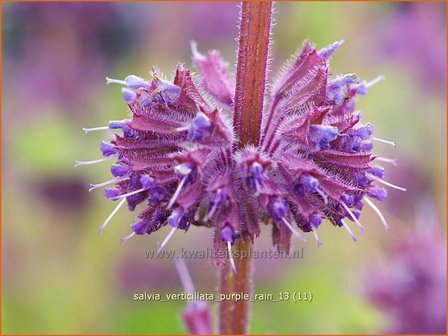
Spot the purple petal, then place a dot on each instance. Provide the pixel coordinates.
(107, 148)
(378, 193)
(328, 51)
(112, 193)
(134, 82)
(119, 169)
(227, 234)
(128, 95)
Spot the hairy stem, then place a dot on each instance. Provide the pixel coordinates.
(226, 307)
(253, 48)
(234, 314)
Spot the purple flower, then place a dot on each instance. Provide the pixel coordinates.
(314, 160)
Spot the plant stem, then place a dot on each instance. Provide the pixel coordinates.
(233, 314)
(226, 307)
(253, 48)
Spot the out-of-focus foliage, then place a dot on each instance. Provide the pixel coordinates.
(59, 276)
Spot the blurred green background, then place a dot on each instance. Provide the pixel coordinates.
(60, 276)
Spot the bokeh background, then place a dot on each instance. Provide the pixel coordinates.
(60, 276)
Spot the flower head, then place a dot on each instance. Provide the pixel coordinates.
(179, 158)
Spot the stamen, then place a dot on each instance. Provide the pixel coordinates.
(232, 261)
(383, 159)
(129, 194)
(319, 243)
(349, 230)
(182, 129)
(385, 182)
(86, 163)
(165, 241)
(293, 230)
(352, 215)
(322, 194)
(93, 129)
(177, 192)
(115, 81)
(211, 212)
(257, 188)
(99, 185)
(392, 143)
(184, 275)
(112, 214)
(378, 212)
(374, 81)
(125, 239)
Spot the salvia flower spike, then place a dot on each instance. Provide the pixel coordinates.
(183, 159)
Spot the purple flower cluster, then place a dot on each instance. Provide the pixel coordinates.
(179, 158)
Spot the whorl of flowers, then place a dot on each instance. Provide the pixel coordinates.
(178, 156)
